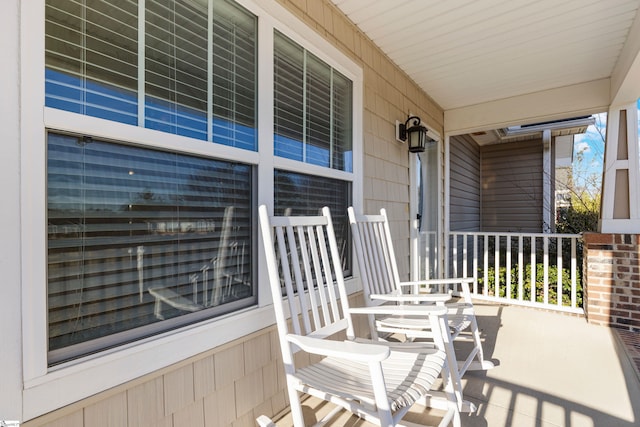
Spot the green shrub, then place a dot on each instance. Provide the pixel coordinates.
(539, 287)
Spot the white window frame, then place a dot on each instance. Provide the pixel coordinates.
(49, 388)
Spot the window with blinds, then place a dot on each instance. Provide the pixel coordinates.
(141, 241)
(312, 108)
(91, 57)
(302, 194)
(196, 60)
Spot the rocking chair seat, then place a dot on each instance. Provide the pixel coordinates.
(408, 377)
(419, 326)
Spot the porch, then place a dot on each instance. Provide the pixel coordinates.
(553, 369)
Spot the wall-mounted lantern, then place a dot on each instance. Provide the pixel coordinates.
(415, 134)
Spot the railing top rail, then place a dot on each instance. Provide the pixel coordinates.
(507, 234)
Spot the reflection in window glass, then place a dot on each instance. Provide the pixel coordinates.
(140, 241)
(300, 194)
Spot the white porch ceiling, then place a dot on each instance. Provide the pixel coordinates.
(467, 53)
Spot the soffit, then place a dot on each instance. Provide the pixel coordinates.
(469, 52)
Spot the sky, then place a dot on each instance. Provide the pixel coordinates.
(587, 169)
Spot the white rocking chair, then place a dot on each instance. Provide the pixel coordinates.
(374, 381)
(382, 285)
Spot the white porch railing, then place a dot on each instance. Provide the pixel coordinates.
(503, 264)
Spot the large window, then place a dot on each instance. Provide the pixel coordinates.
(150, 215)
(138, 236)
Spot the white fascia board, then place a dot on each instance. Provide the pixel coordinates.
(560, 103)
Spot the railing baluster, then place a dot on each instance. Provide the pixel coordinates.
(545, 280)
(574, 273)
(455, 255)
(475, 263)
(533, 269)
(559, 267)
(496, 263)
(465, 256)
(485, 242)
(520, 269)
(508, 268)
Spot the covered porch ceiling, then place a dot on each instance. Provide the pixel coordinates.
(496, 63)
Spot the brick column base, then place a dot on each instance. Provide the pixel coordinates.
(611, 280)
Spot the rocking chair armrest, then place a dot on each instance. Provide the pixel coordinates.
(449, 281)
(351, 350)
(402, 310)
(412, 298)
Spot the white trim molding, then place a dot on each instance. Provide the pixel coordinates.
(620, 188)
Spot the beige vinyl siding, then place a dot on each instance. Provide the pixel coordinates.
(511, 176)
(464, 191)
(227, 386)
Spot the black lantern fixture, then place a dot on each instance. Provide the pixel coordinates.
(416, 134)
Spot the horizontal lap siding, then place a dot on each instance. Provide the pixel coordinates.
(512, 187)
(464, 184)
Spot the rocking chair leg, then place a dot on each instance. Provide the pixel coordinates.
(482, 364)
(296, 408)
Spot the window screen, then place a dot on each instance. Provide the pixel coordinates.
(141, 241)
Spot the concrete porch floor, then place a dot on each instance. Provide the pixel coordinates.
(552, 370)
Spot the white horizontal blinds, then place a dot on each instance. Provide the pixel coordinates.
(200, 71)
(289, 105)
(178, 85)
(234, 83)
(137, 236)
(91, 58)
(342, 127)
(318, 112)
(176, 67)
(300, 194)
(313, 108)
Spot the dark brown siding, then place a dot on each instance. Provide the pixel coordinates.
(464, 200)
(511, 176)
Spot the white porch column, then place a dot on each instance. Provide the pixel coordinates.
(620, 212)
